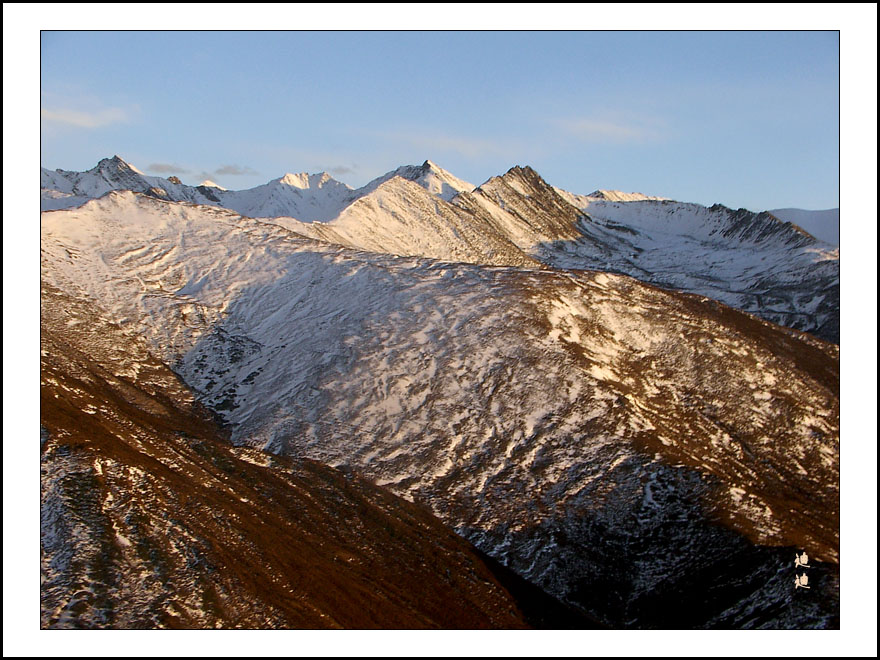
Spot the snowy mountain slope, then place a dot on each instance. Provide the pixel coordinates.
(111, 174)
(824, 225)
(608, 440)
(307, 197)
(605, 195)
(715, 223)
(751, 261)
(401, 217)
(428, 175)
(51, 200)
(754, 262)
(524, 208)
(150, 519)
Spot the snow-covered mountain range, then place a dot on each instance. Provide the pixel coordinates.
(502, 355)
(753, 261)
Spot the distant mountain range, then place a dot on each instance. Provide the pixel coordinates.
(563, 380)
(753, 261)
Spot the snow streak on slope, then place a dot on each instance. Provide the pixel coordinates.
(150, 519)
(571, 424)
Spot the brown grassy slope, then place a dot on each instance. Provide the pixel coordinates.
(151, 520)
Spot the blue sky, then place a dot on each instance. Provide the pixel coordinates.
(748, 119)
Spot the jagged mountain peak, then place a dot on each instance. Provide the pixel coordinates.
(429, 176)
(429, 166)
(521, 172)
(524, 179)
(522, 169)
(745, 224)
(61, 188)
(304, 180)
(115, 164)
(113, 160)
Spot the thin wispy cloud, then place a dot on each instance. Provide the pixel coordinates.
(235, 170)
(167, 168)
(605, 130)
(216, 174)
(85, 119)
(342, 169)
